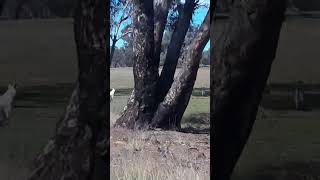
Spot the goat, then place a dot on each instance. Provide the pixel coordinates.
(6, 104)
(112, 94)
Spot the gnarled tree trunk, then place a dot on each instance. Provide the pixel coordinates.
(170, 111)
(167, 75)
(78, 150)
(150, 90)
(145, 70)
(242, 63)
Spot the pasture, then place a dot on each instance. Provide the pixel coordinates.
(40, 55)
(122, 80)
(284, 145)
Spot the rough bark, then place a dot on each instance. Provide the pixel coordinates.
(242, 63)
(145, 70)
(160, 20)
(174, 49)
(78, 150)
(170, 111)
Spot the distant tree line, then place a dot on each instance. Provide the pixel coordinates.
(123, 57)
(25, 9)
(224, 6)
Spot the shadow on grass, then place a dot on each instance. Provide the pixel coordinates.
(197, 124)
(195, 130)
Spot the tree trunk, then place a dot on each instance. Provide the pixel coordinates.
(170, 111)
(145, 69)
(113, 47)
(160, 19)
(78, 151)
(242, 63)
(174, 49)
(2, 3)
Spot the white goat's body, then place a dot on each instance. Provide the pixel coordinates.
(112, 94)
(6, 103)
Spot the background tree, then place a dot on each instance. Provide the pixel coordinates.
(61, 8)
(151, 88)
(123, 56)
(241, 66)
(120, 12)
(205, 60)
(78, 150)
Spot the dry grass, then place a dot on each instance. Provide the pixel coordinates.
(158, 155)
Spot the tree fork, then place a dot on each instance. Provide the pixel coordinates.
(170, 111)
(160, 20)
(173, 52)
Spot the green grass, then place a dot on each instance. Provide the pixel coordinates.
(37, 52)
(285, 145)
(122, 78)
(197, 105)
(29, 130)
(40, 55)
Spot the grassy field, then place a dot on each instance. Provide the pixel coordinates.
(283, 146)
(36, 112)
(122, 78)
(198, 105)
(37, 52)
(40, 56)
(297, 54)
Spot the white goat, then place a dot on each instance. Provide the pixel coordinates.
(112, 94)
(6, 104)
